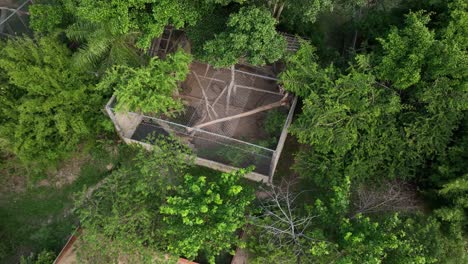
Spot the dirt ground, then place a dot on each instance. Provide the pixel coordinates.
(213, 82)
(15, 179)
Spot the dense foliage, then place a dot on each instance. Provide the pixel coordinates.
(45, 115)
(151, 207)
(374, 114)
(380, 175)
(150, 88)
(250, 34)
(124, 207)
(146, 17)
(101, 49)
(397, 112)
(204, 215)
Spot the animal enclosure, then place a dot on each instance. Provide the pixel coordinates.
(226, 115)
(233, 117)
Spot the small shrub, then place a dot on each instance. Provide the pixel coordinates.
(274, 122)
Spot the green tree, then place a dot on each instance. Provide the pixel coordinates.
(326, 231)
(456, 191)
(297, 11)
(345, 115)
(391, 114)
(250, 34)
(146, 17)
(405, 50)
(428, 237)
(46, 18)
(284, 230)
(101, 48)
(147, 207)
(448, 184)
(9, 99)
(98, 48)
(150, 88)
(364, 240)
(368, 123)
(211, 23)
(263, 250)
(44, 257)
(125, 206)
(45, 93)
(203, 215)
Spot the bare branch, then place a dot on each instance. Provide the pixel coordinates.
(284, 224)
(392, 196)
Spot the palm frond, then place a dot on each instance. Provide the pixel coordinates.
(80, 31)
(92, 52)
(103, 49)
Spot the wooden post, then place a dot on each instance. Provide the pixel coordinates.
(112, 117)
(282, 140)
(231, 84)
(207, 69)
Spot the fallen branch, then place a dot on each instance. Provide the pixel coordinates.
(219, 96)
(207, 103)
(282, 102)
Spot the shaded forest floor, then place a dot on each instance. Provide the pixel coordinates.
(36, 214)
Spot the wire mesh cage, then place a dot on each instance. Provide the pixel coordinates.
(235, 116)
(226, 117)
(208, 145)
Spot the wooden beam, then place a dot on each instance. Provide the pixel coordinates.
(282, 102)
(191, 98)
(168, 40)
(282, 140)
(14, 10)
(207, 103)
(258, 75)
(258, 90)
(219, 96)
(176, 43)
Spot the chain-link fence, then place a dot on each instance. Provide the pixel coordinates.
(14, 17)
(205, 144)
(208, 145)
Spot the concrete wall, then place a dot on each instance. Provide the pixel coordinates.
(128, 123)
(253, 176)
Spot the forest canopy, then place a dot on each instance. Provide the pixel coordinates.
(374, 168)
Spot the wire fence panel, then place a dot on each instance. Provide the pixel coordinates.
(208, 145)
(14, 18)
